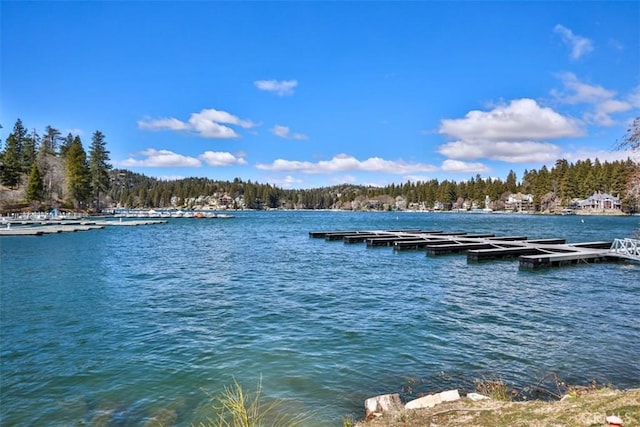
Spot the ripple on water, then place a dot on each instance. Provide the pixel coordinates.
(141, 325)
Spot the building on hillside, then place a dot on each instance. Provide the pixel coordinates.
(225, 201)
(519, 202)
(601, 201)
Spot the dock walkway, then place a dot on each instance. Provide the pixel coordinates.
(531, 253)
(39, 228)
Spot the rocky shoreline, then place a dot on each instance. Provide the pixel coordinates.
(601, 407)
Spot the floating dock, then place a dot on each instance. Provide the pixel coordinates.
(20, 228)
(531, 253)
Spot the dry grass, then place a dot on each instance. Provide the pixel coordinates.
(588, 409)
(238, 407)
(495, 389)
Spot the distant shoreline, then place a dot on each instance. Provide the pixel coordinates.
(141, 212)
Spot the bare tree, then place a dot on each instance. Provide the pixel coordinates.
(632, 138)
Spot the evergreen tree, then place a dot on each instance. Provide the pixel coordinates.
(10, 163)
(250, 196)
(559, 176)
(569, 186)
(99, 166)
(29, 151)
(131, 201)
(50, 140)
(35, 191)
(12, 156)
(143, 195)
(78, 176)
(65, 144)
(584, 177)
(512, 182)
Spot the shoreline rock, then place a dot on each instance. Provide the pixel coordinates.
(589, 409)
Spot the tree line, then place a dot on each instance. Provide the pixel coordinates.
(55, 171)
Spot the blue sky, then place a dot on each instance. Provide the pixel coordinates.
(310, 94)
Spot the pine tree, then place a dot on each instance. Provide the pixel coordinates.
(250, 196)
(12, 156)
(65, 144)
(78, 176)
(512, 182)
(559, 177)
(99, 166)
(10, 163)
(50, 140)
(35, 185)
(29, 151)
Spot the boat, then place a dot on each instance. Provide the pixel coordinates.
(223, 216)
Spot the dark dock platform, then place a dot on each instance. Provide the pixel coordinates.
(481, 247)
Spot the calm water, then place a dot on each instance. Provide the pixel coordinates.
(129, 324)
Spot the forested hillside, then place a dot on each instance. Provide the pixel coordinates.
(54, 171)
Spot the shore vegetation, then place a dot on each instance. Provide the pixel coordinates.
(237, 406)
(587, 408)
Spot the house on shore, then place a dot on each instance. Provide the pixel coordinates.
(519, 203)
(601, 201)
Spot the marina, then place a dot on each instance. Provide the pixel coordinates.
(39, 228)
(39, 224)
(531, 253)
(126, 324)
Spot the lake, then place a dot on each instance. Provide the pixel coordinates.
(126, 325)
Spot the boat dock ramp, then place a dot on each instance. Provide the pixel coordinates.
(531, 253)
(39, 228)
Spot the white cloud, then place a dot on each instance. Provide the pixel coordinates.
(520, 120)
(217, 158)
(511, 133)
(346, 163)
(285, 132)
(602, 114)
(579, 45)
(280, 88)
(168, 159)
(613, 106)
(286, 182)
(601, 155)
(511, 152)
(218, 116)
(634, 97)
(208, 123)
(343, 179)
(577, 92)
(163, 123)
(602, 99)
(210, 129)
(466, 167)
(417, 178)
(162, 159)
